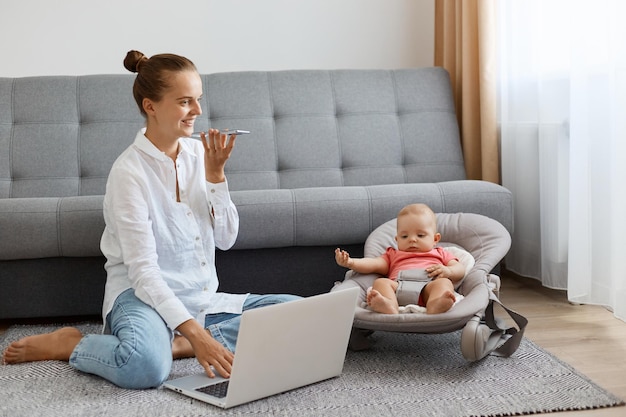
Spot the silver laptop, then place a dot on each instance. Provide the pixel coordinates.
(279, 348)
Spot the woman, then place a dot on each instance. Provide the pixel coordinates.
(166, 208)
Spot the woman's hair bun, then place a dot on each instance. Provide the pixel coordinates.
(133, 60)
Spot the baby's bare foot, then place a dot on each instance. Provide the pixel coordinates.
(57, 345)
(441, 304)
(181, 348)
(381, 304)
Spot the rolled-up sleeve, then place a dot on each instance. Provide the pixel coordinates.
(224, 213)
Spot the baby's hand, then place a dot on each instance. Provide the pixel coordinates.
(438, 271)
(342, 257)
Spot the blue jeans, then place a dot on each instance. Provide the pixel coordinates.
(138, 352)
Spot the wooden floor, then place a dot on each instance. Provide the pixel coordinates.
(587, 337)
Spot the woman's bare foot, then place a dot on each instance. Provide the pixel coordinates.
(380, 303)
(57, 345)
(441, 304)
(181, 348)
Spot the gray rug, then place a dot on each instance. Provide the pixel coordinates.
(402, 375)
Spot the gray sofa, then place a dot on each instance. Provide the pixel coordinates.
(332, 155)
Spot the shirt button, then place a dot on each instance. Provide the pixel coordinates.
(203, 263)
(197, 238)
(213, 190)
(205, 289)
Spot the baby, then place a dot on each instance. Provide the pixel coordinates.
(417, 238)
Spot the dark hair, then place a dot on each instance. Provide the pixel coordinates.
(153, 74)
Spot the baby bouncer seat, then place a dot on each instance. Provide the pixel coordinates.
(480, 243)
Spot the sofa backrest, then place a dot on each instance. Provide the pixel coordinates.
(60, 135)
(310, 128)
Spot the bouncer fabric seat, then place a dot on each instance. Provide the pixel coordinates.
(480, 243)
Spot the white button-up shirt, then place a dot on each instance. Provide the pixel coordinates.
(164, 249)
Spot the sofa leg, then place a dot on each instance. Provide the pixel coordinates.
(359, 339)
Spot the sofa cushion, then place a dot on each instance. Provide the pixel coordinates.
(50, 227)
(347, 215)
(73, 226)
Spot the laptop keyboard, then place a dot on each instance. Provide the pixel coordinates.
(216, 390)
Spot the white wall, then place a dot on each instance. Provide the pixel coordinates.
(74, 37)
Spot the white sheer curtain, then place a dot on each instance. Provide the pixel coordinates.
(563, 141)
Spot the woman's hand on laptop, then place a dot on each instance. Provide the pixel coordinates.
(209, 352)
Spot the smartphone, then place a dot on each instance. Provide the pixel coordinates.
(229, 132)
(234, 132)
